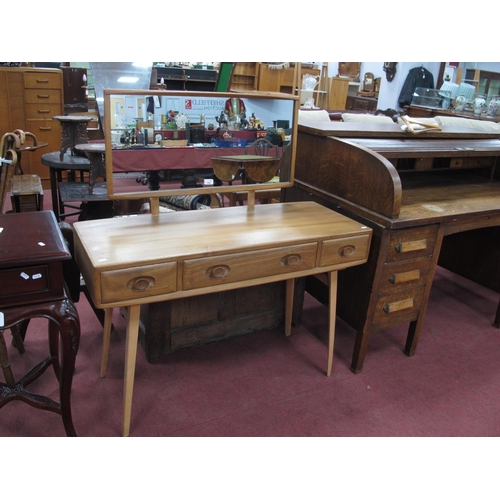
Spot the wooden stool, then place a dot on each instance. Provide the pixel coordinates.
(27, 193)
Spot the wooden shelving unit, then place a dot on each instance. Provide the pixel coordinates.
(245, 76)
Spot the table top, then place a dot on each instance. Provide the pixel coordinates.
(30, 238)
(121, 242)
(92, 147)
(69, 161)
(73, 118)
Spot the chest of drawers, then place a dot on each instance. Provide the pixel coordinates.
(29, 97)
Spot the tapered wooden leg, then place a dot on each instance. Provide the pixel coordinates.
(332, 311)
(130, 360)
(108, 321)
(290, 285)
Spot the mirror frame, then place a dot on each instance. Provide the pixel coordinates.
(155, 195)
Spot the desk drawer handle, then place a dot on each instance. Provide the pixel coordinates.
(217, 272)
(44, 110)
(141, 283)
(411, 246)
(42, 96)
(291, 260)
(44, 128)
(42, 81)
(404, 277)
(399, 306)
(347, 251)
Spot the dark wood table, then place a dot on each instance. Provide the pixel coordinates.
(31, 273)
(74, 131)
(57, 166)
(95, 154)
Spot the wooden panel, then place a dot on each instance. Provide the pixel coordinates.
(338, 93)
(42, 80)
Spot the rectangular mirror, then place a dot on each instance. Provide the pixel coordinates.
(170, 143)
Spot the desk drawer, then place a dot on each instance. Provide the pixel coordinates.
(137, 282)
(211, 271)
(398, 307)
(399, 275)
(23, 280)
(407, 244)
(344, 250)
(42, 80)
(43, 96)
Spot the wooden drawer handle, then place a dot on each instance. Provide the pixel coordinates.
(399, 306)
(44, 110)
(141, 283)
(217, 272)
(42, 81)
(411, 246)
(42, 96)
(291, 260)
(404, 277)
(347, 251)
(44, 128)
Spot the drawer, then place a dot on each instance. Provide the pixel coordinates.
(23, 280)
(44, 127)
(398, 307)
(42, 80)
(407, 244)
(400, 275)
(138, 282)
(43, 110)
(43, 96)
(341, 250)
(211, 271)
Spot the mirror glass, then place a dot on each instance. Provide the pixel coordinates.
(164, 143)
(118, 75)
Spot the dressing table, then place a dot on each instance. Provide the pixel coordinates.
(132, 261)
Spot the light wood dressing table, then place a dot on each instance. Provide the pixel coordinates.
(130, 261)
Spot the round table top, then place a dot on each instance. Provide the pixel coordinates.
(73, 118)
(92, 147)
(69, 161)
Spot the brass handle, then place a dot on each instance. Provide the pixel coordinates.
(404, 277)
(399, 306)
(411, 246)
(217, 272)
(141, 283)
(291, 260)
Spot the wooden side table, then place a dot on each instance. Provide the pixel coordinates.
(33, 251)
(95, 154)
(74, 131)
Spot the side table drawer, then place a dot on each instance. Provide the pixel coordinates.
(210, 271)
(137, 282)
(23, 280)
(344, 250)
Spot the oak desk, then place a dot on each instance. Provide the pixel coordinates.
(431, 198)
(138, 260)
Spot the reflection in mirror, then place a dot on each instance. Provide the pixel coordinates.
(177, 143)
(118, 75)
